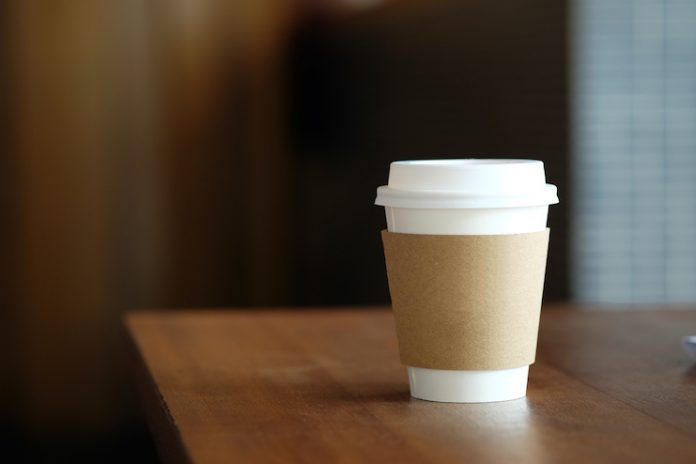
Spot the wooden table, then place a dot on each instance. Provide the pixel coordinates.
(326, 386)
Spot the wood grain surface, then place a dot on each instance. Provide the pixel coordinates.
(326, 386)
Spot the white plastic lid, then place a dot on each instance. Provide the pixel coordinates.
(466, 183)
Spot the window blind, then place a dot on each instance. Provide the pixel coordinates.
(634, 150)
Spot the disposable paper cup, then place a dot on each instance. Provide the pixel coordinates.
(467, 197)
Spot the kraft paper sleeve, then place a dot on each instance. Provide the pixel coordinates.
(466, 302)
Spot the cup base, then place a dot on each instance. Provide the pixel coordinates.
(468, 386)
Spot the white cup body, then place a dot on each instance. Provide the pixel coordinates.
(467, 210)
(480, 221)
(467, 386)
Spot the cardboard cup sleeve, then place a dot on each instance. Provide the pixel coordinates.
(466, 302)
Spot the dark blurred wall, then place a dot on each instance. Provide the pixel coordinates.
(144, 163)
(77, 151)
(442, 79)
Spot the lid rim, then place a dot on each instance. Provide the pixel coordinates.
(400, 198)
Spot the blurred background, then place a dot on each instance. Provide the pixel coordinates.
(197, 153)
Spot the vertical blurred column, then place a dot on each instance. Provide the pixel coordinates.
(82, 215)
(148, 168)
(225, 154)
(634, 140)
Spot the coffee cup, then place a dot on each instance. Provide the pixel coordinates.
(465, 247)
